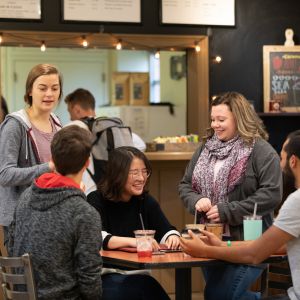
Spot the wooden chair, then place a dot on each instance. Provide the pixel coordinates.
(275, 280)
(279, 278)
(9, 278)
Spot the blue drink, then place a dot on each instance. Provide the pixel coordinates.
(252, 227)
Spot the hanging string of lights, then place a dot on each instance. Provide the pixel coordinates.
(89, 41)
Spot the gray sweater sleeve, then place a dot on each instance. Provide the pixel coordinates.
(262, 184)
(186, 192)
(14, 149)
(87, 256)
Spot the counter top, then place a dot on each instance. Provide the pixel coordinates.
(162, 155)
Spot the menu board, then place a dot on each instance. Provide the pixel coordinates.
(128, 11)
(281, 78)
(20, 9)
(198, 12)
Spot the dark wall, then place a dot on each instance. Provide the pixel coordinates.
(258, 23)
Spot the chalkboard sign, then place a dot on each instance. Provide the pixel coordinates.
(281, 78)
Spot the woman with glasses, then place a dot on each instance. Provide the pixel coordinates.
(120, 200)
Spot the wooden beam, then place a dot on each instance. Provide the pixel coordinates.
(197, 89)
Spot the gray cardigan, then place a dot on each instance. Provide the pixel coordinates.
(19, 161)
(262, 183)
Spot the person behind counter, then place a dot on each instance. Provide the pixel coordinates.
(81, 105)
(25, 138)
(231, 171)
(120, 199)
(54, 223)
(284, 233)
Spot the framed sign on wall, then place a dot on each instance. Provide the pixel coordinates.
(139, 89)
(281, 66)
(198, 12)
(20, 9)
(120, 11)
(120, 88)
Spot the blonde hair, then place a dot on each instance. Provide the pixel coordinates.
(249, 125)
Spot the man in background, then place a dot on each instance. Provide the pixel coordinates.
(81, 104)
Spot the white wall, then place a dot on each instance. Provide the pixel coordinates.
(171, 90)
(90, 69)
(81, 68)
(131, 61)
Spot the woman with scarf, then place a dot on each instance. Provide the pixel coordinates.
(233, 169)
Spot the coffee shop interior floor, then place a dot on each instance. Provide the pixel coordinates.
(195, 296)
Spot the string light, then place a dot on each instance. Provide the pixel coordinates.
(84, 42)
(217, 59)
(197, 47)
(157, 54)
(119, 45)
(43, 46)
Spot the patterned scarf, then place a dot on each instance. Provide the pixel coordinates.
(236, 154)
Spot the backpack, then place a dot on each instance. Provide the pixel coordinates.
(108, 134)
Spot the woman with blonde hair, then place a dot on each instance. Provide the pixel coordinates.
(234, 168)
(25, 138)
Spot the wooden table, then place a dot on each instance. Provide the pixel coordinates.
(181, 262)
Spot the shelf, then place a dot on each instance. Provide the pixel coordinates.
(281, 114)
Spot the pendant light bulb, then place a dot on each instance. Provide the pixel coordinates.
(84, 42)
(218, 59)
(197, 47)
(43, 46)
(157, 54)
(119, 45)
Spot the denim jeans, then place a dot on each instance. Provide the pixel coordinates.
(230, 282)
(131, 287)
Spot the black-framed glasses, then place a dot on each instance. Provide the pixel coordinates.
(135, 173)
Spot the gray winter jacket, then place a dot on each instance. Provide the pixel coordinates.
(62, 232)
(262, 183)
(19, 161)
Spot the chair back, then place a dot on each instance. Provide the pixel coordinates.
(9, 278)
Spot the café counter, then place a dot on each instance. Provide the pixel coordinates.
(167, 170)
(169, 156)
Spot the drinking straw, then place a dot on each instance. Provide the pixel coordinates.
(255, 209)
(141, 218)
(195, 217)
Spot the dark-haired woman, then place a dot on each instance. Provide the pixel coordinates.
(25, 138)
(120, 200)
